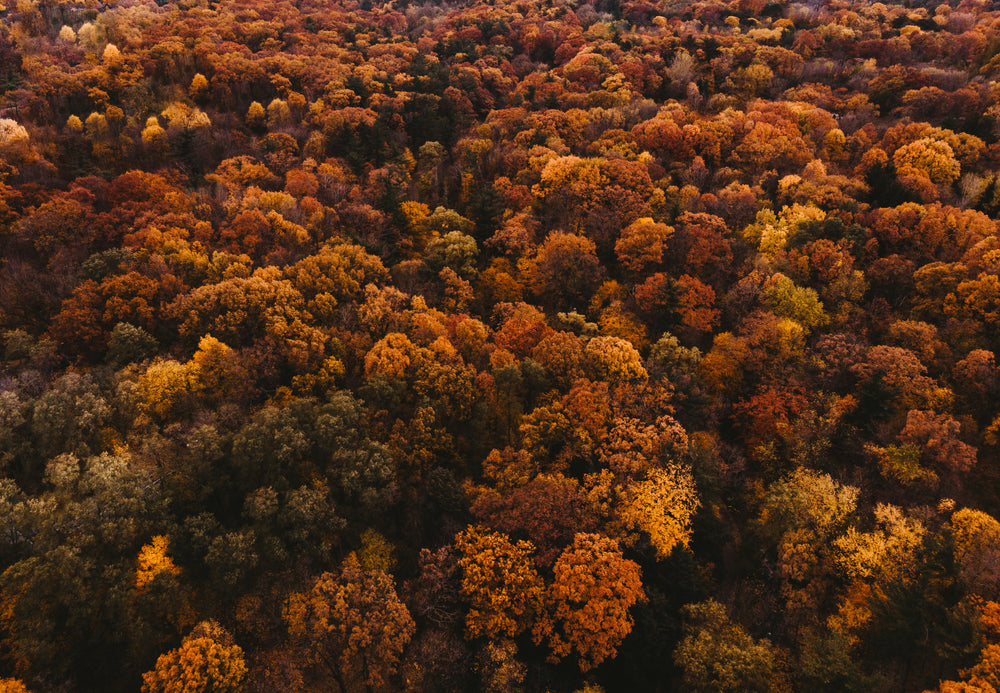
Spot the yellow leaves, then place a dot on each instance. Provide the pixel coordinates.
(376, 552)
(886, 554)
(111, 55)
(390, 357)
(165, 385)
(800, 304)
(213, 374)
(977, 298)
(771, 232)
(215, 368)
(717, 655)
(11, 132)
(613, 358)
(977, 549)
(183, 117)
(153, 135)
(198, 87)
(566, 171)
(500, 582)
(12, 686)
(153, 560)
(322, 381)
(662, 506)
(928, 158)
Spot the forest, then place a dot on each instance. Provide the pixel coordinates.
(556, 346)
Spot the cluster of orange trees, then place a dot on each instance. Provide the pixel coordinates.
(545, 345)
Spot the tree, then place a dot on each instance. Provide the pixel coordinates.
(977, 550)
(206, 662)
(886, 554)
(799, 304)
(615, 359)
(800, 516)
(928, 158)
(662, 506)
(154, 560)
(718, 656)
(641, 244)
(454, 250)
(593, 588)
(498, 578)
(548, 510)
(565, 270)
(352, 624)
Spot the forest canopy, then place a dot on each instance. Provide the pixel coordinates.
(544, 345)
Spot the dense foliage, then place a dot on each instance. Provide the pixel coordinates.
(549, 345)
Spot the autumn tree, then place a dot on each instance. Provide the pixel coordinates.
(588, 602)
(662, 506)
(352, 624)
(565, 270)
(498, 578)
(976, 534)
(641, 244)
(800, 516)
(207, 660)
(718, 655)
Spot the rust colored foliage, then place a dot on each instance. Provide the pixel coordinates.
(593, 588)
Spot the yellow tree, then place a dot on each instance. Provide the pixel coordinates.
(977, 550)
(927, 158)
(662, 506)
(614, 359)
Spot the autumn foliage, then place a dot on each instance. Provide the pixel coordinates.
(601, 345)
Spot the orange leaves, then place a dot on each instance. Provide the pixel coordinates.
(500, 582)
(391, 357)
(206, 662)
(696, 304)
(153, 560)
(641, 244)
(593, 589)
(565, 269)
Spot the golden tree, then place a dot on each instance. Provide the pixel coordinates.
(206, 662)
(500, 582)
